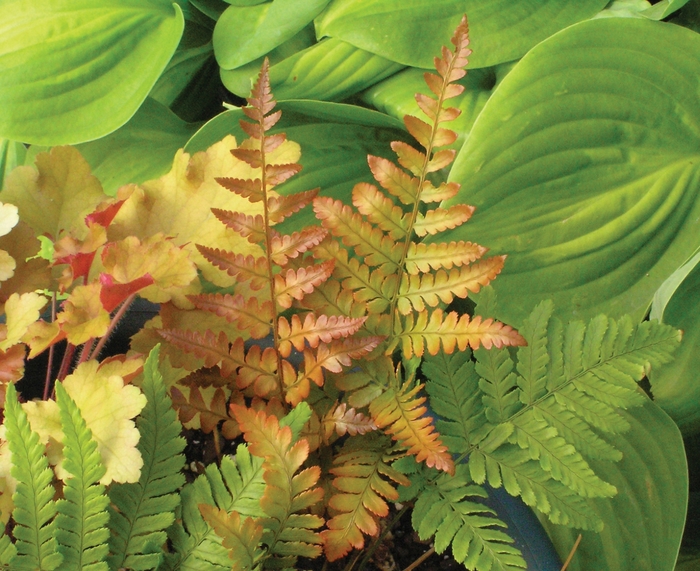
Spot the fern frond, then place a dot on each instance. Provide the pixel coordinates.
(314, 330)
(143, 511)
(400, 414)
(369, 242)
(237, 485)
(35, 508)
(364, 479)
(415, 161)
(81, 523)
(250, 189)
(380, 210)
(246, 268)
(417, 291)
(281, 207)
(443, 191)
(251, 227)
(452, 330)
(441, 219)
(249, 315)
(404, 187)
(288, 246)
(453, 386)
(288, 534)
(8, 551)
(445, 510)
(498, 383)
(240, 538)
(208, 407)
(344, 420)
(295, 284)
(214, 349)
(421, 258)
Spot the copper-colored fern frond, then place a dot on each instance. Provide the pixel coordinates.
(249, 314)
(401, 414)
(364, 480)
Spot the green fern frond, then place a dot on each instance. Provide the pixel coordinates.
(497, 383)
(444, 510)
(81, 523)
(237, 485)
(240, 537)
(142, 511)
(7, 551)
(35, 508)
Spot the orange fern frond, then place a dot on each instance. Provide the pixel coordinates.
(442, 219)
(291, 245)
(295, 284)
(314, 330)
(380, 210)
(417, 291)
(364, 480)
(369, 242)
(277, 174)
(246, 268)
(343, 420)
(288, 490)
(214, 349)
(245, 188)
(249, 315)
(333, 356)
(206, 407)
(281, 207)
(452, 330)
(421, 258)
(393, 179)
(401, 415)
(258, 367)
(251, 227)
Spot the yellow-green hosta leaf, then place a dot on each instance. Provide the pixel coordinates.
(413, 32)
(245, 33)
(583, 167)
(76, 70)
(644, 521)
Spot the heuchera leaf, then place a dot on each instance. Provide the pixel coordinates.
(20, 312)
(9, 216)
(83, 316)
(108, 407)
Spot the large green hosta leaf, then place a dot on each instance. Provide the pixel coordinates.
(584, 168)
(644, 521)
(75, 70)
(412, 32)
(676, 386)
(334, 138)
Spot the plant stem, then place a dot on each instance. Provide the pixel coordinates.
(377, 540)
(49, 366)
(420, 560)
(112, 325)
(571, 555)
(65, 363)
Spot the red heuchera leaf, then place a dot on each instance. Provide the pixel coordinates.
(104, 213)
(112, 294)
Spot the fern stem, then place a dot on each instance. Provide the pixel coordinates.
(571, 554)
(420, 560)
(376, 542)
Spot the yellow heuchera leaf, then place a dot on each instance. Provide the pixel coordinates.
(108, 407)
(169, 266)
(20, 312)
(57, 194)
(179, 203)
(83, 316)
(9, 216)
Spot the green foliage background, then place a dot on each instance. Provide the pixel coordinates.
(578, 146)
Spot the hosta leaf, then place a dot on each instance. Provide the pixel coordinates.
(330, 70)
(12, 154)
(412, 33)
(140, 150)
(674, 386)
(644, 521)
(74, 71)
(595, 209)
(245, 33)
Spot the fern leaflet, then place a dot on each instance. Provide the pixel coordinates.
(35, 508)
(141, 512)
(81, 523)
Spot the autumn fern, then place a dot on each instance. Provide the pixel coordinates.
(529, 424)
(35, 508)
(142, 512)
(382, 271)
